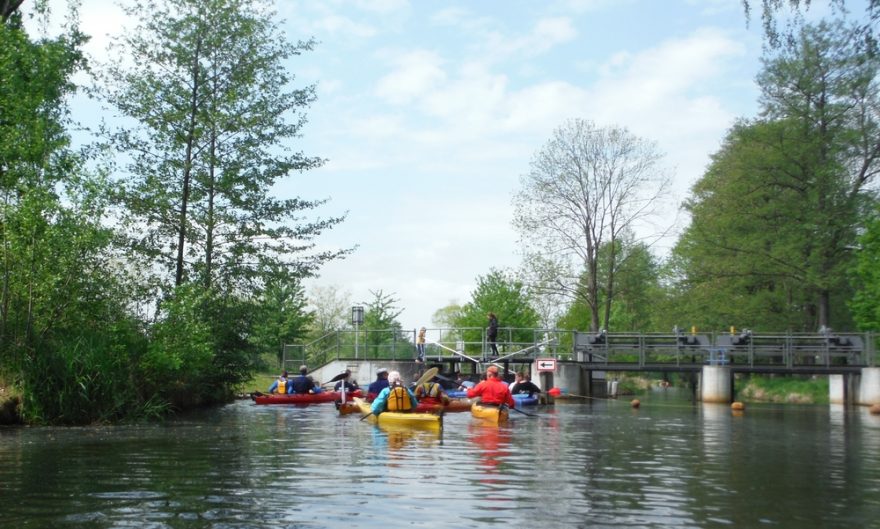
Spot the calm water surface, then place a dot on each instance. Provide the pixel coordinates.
(600, 464)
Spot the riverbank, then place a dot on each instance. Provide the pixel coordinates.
(754, 388)
(9, 405)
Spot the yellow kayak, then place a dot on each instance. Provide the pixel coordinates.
(424, 421)
(490, 414)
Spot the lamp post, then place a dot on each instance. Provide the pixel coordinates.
(357, 318)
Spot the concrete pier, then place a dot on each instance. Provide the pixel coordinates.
(869, 387)
(716, 384)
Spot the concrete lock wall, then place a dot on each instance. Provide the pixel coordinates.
(716, 385)
(869, 387)
(836, 389)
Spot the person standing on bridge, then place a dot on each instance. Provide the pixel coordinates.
(420, 345)
(492, 333)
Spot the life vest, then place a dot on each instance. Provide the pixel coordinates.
(282, 386)
(428, 389)
(398, 399)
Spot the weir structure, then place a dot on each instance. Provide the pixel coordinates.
(580, 362)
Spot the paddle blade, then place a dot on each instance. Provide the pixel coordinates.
(427, 375)
(338, 377)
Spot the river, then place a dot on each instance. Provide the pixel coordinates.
(669, 463)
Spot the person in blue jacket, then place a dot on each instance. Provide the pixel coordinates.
(303, 383)
(281, 384)
(396, 397)
(379, 384)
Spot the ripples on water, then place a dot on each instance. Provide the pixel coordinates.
(602, 464)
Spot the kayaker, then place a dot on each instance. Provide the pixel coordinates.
(303, 383)
(350, 385)
(462, 382)
(432, 393)
(516, 380)
(379, 384)
(525, 386)
(492, 391)
(280, 385)
(396, 397)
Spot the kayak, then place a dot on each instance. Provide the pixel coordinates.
(302, 398)
(453, 406)
(490, 414)
(347, 408)
(424, 421)
(524, 399)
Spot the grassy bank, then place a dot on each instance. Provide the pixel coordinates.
(753, 388)
(783, 389)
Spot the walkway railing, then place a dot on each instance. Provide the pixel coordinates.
(608, 350)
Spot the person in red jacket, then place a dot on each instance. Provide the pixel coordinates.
(492, 391)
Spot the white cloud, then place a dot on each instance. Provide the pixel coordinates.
(545, 35)
(339, 25)
(382, 6)
(417, 72)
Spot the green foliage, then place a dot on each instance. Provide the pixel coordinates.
(383, 334)
(214, 119)
(789, 389)
(501, 293)
(865, 304)
(781, 203)
(283, 315)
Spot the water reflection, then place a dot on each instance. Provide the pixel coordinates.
(669, 464)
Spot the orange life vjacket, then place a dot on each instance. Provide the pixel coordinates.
(398, 399)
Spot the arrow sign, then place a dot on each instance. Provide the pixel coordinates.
(546, 364)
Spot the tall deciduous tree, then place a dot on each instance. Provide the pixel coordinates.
(588, 186)
(783, 201)
(210, 122)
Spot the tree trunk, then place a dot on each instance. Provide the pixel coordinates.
(188, 164)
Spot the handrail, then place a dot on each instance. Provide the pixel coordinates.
(640, 349)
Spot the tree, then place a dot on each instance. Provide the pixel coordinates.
(331, 307)
(866, 302)
(506, 296)
(864, 32)
(284, 317)
(211, 119)
(383, 331)
(773, 217)
(587, 187)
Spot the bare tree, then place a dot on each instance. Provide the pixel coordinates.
(587, 188)
(331, 307)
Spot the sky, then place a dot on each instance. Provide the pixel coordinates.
(429, 113)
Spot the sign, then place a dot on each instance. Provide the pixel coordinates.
(546, 364)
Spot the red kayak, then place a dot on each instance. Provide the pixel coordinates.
(429, 405)
(303, 398)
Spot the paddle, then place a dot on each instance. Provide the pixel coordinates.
(447, 379)
(426, 376)
(524, 413)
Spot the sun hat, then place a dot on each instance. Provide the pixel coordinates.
(381, 370)
(393, 377)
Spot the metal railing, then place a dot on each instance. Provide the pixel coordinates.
(641, 350)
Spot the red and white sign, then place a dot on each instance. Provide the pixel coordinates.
(546, 364)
